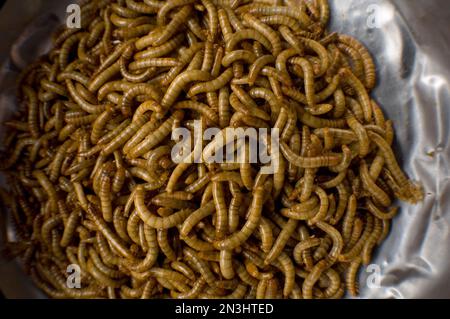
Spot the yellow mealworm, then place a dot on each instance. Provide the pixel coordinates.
(376, 192)
(308, 162)
(281, 241)
(164, 245)
(179, 83)
(156, 136)
(213, 85)
(245, 34)
(371, 242)
(154, 221)
(265, 30)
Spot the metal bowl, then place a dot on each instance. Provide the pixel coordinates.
(410, 43)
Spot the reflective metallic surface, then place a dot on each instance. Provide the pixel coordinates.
(410, 43)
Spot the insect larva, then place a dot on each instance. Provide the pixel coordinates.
(152, 252)
(281, 241)
(298, 15)
(290, 37)
(263, 93)
(312, 278)
(321, 52)
(146, 63)
(140, 134)
(371, 242)
(261, 289)
(123, 136)
(350, 277)
(213, 85)
(120, 224)
(148, 7)
(86, 106)
(356, 249)
(200, 108)
(376, 192)
(224, 107)
(136, 31)
(308, 80)
(308, 162)
(234, 20)
(201, 266)
(177, 21)
(378, 213)
(237, 55)
(194, 218)
(156, 136)
(250, 225)
(284, 263)
(103, 278)
(226, 264)
(179, 83)
(124, 11)
(58, 160)
(302, 246)
(97, 261)
(136, 90)
(265, 30)
(49, 189)
(213, 19)
(349, 218)
(335, 235)
(234, 208)
(102, 227)
(408, 187)
(33, 110)
(120, 21)
(342, 204)
(69, 228)
(154, 221)
(368, 64)
(347, 157)
(360, 132)
(113, 86)
(133, 227)
(221, 217)
(165, 7)
(355, 57)
(183, 269)
(243, 274)
(159, 51)
(66, 47)
(246, 34)
(334, 283)
(348, 77)
(164, 245)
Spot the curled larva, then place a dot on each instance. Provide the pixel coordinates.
(213, 85)
(179, 83)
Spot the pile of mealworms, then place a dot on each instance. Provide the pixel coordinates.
(92, 183)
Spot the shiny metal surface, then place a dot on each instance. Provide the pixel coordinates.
(410, 43)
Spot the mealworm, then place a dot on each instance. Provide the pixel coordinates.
(151, 219)
(164, 49)
(213, 85)
(308, 162)
(246, 34)
(371, 242)
(179, 83)
(281, 241)
(265, 30)
(251, 224)
(299, 15)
